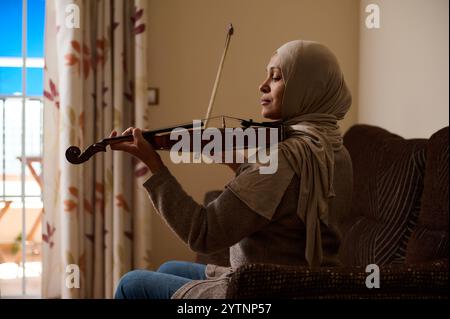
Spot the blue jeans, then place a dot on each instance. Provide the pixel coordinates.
(162, 284)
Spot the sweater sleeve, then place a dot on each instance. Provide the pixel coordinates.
(221, 224)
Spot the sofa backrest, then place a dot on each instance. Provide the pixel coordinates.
(429, 240)
(388, 175)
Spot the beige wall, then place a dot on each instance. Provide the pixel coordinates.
(404, 67)
(186, 40)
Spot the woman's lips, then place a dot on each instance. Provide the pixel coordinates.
(265, 101)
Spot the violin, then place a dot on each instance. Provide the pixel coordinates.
(161, 139)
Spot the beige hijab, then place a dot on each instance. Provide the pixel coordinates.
(315, 98)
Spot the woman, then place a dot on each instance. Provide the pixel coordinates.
(296, 222)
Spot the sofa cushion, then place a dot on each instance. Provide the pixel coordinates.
(388, 182)
(429, 240)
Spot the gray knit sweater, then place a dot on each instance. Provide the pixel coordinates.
(252, 238)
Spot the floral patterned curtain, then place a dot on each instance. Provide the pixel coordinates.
(97, 215)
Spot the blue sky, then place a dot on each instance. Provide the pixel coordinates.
(11, 44)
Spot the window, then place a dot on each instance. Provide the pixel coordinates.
(21, 109)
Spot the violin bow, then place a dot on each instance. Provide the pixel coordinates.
(219, 73)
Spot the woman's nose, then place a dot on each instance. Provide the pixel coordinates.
(264, 88)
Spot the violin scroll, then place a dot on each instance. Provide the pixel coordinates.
(74, 155)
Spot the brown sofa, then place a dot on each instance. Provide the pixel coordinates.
(398, 221)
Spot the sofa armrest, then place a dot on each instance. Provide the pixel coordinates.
(427, 280)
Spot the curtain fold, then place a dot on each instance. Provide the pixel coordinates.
(97, 215)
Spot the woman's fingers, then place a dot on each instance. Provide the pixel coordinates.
(121, 146)
(137, 135)
(128, 131)
(139, 148)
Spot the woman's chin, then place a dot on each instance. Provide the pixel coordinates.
(265, 112)
(268, 115)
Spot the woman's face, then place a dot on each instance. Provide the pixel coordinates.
(272, 89)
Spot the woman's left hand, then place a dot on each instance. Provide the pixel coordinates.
(139, 148)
